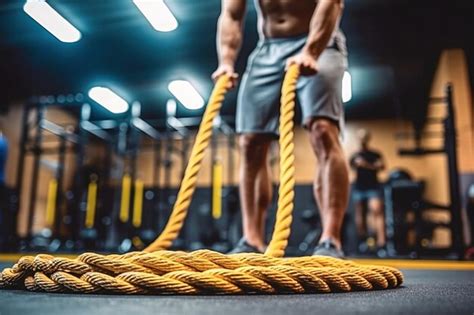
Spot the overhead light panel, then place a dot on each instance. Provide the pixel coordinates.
(108, 99)
(186, 94)
(52, 21)
(346, 87)
(158, 14)
(171, 108)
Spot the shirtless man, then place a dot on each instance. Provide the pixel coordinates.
(306, 33)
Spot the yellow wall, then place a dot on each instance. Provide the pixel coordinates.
(383, 131)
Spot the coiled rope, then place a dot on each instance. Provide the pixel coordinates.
(158, 271)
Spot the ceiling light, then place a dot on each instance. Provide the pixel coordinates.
(171, 108)
(158, 14)
(108, 99)
(52, 21)
(186, 94)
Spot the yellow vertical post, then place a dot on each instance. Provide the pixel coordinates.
(51, 202)
(91, 204)
(138, 204)
(125, 200)
(217, 190)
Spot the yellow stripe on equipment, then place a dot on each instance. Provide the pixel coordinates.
(125, 201)
(51, 202)
(138, 204)
(217, 190)
(91, 204)
(137, 242)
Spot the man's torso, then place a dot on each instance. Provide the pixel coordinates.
(285, 18)
(366, 178)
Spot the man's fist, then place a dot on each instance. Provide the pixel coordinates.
(226, 69)
(359, 162)
(306, 62)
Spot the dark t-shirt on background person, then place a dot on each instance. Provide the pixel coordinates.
(366, 178)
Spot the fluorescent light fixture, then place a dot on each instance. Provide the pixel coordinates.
(171, 108)
(186, 94)
(158, 14)
(217, 121)
(52, 21)
(346, 87)
(108, 99)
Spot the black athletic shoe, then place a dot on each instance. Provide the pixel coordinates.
(328, 248)
(244, 247)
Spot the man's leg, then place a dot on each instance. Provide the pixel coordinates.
(263, 193)
(331, 186)
(378, 219)
(360, 219)
(255, 186)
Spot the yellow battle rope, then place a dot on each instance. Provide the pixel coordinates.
(188, 184)
(282, 229)
(158, 271)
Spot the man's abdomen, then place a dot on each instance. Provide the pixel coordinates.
(285, 18)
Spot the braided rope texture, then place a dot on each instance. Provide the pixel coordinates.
(157, 271)
(198, 272)
(284, 217)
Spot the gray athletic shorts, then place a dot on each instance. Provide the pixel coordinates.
(258, 102)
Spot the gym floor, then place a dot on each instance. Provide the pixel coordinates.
(430, 287)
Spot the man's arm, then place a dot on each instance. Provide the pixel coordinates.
(378, 165)
(322, 26)
(229, 37)
(352, 161)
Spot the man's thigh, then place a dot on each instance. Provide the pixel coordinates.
(320, 95)
(258, 99)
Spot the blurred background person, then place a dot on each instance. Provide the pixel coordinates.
(367, 193)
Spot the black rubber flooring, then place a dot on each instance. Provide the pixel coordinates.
(424, 292)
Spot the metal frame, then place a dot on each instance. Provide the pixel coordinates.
(122, 137)
(449, 148)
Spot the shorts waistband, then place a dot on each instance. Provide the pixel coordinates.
(282, 40)
(269, 40)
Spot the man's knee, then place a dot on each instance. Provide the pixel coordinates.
(324, 135)
(376, 207)
(254, 146)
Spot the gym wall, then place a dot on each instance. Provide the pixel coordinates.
(432, 169)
